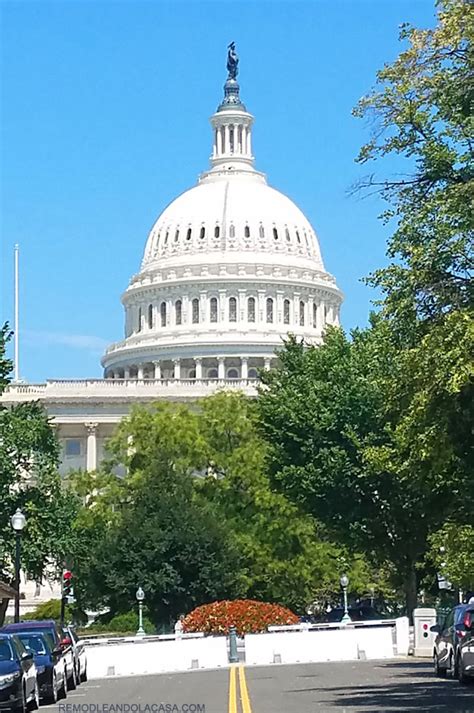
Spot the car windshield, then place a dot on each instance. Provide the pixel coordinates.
(6, 653)
(34, 643)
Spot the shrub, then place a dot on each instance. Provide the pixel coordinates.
(124, 623)
(51, 609)
(248, 617)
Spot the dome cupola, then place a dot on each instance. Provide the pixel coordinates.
(230, 267)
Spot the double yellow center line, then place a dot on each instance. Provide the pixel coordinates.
(244, 694)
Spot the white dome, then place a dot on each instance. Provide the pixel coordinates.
(230, 267)
(232, 213)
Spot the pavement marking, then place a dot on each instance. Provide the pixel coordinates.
(233, 690)
(244, 694)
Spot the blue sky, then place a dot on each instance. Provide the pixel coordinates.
(104, 120)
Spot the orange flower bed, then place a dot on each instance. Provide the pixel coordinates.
(248, 617)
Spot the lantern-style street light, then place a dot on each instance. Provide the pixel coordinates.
(140, 595)
(18, 522)
(346, 619)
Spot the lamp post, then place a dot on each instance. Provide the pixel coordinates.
(344, 584)
(140, 595)
(18, 522)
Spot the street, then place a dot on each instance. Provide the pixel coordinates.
(355, 687)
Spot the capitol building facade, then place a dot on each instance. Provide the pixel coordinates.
(230, 268)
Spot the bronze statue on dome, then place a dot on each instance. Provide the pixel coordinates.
(232, 61)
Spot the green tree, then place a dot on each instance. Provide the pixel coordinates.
(29, 479)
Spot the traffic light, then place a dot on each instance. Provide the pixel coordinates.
(67, 583)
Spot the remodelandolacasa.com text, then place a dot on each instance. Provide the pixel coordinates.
(132, 708)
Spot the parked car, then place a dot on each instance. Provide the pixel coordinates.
(465, 653)
(79, 652)
(356, 614)
(18, 684)
(449, 636)
(50, 665)
(58, 642)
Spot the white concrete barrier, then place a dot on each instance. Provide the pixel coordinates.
(154, 655)
(314, 643)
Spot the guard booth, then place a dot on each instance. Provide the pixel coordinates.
(423, 620)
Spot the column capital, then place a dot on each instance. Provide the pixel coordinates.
(91, 427)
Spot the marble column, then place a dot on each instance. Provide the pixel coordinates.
(157, 366)
(126, 372)
(177, 368)
(267, 363)
(244, 371)
(221, 368)
(198, 363)
(91, 454)
(320, 316)
(140, 373)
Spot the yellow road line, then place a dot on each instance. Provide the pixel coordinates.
(244, 694)
(232, 691)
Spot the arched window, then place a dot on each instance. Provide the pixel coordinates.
(150, 316)
(286, 311)
(233, 374)
(202, 234)
(261, 231)
(166, 236)
(232, 309)
(231, 138)
(216, 231)
(192, 374)
(231, 231)
(189, 234)
(247, 231)
(287, 234)
(275, 233)
(195, 308)
(269, 309)
(178, 312)
(253, 374)
(163, 314)
(139, 319)
(212, 373)
(251, 309)
(213, 309)
(301, 313)
(176, 235)
(315, 316)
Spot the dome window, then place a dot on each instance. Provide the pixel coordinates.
(166, 237)
(192, 374)
(217, 231)
(212, 374)
(202, 234)
(178, 312)
(269, 310)
(275, 233)
(232, 309)
(247, 231)
(286, 311)
(298, 237)
(150, 316)
(253, 374)
(189, 234)
(287, 234)
(251, 309)
(232, 231)
(233, 374)
(176, 235)
(302, 313)
(195, 310)
(163, 314)
(139, 319)
(213, 309)
(315, 316)
(261, 231)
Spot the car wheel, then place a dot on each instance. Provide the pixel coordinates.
(53, 694)
(21, 705)
(71, 682)
(35, 701)
(461, 675)
(84, 675)
(440, 672)
(78, 674)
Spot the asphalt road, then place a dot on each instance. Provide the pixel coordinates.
(360, 687)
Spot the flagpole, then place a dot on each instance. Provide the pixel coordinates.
(17, 317)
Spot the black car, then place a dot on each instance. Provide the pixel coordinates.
(449, 636)
(18, 684)
(79, 652)
(58, 642)
(49, 662)
(356, 613)
(465, 653)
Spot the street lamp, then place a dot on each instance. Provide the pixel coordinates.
(140, 595)
(18, 522)
(344, 584)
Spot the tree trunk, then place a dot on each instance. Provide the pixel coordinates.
(411, 592)
(3, 609)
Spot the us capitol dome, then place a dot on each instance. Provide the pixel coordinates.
(230, 268)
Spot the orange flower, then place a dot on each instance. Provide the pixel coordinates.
(248, 616)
